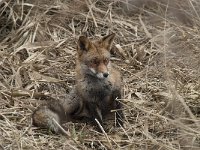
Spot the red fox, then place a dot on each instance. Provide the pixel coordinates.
(98, 85)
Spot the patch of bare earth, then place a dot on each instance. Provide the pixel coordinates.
(156, 49)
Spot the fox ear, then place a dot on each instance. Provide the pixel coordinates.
(107, 41)
(83, 44)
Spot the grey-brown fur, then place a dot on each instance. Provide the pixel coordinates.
(92, 97)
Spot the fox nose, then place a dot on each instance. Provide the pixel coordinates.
(105, 75)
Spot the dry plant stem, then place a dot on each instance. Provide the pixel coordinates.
(197, 14)
(23, 93)
(61, 128)
(89, 4)
(38, 54)
(171, 87)
(158, 143)
(182, 101)
(19, 138)
(71, 146)
(105, 134)
(177, 123)
(145, 28)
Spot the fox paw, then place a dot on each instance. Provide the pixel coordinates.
(53, 125)
(45, 118)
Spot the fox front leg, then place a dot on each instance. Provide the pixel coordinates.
(95, 115)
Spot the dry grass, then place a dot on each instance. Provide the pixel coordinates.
(156, 49)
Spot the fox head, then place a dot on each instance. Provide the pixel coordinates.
(94, 56)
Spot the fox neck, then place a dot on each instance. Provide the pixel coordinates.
(89, 86)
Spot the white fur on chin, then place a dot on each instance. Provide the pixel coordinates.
(100, 75)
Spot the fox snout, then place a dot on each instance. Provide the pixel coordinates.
(105, 74)
(100, 74)
(99, 68)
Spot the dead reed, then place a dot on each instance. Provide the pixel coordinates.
(157, 50)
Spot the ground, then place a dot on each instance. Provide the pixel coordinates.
(156, 49)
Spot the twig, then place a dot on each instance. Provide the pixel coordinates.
(100, 126)
(145, 28)
(60, 127)
(88, 2)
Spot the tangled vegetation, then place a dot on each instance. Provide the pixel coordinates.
(157, 51)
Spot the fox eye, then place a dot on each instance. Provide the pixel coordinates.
(95, 61)
(106, 61)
